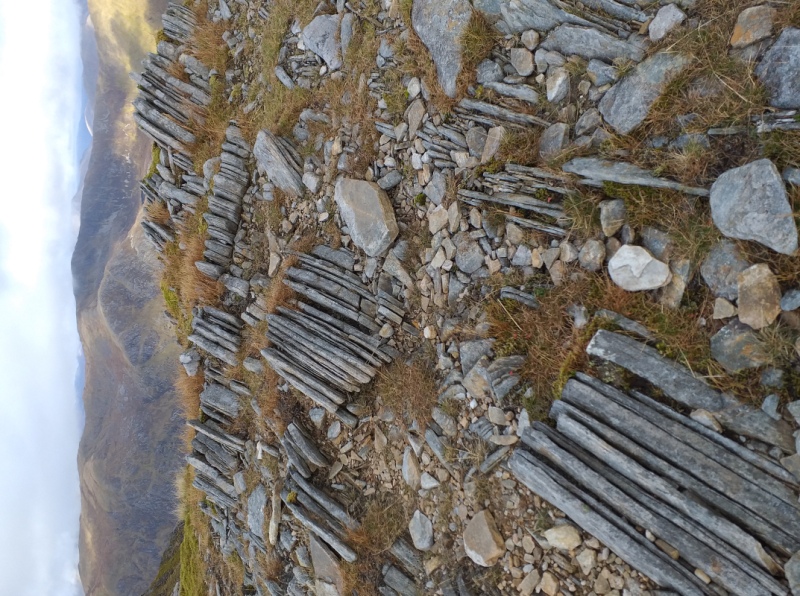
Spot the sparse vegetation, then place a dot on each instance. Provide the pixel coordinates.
(384, 519)
(408, 388)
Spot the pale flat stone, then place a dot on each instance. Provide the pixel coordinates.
(759, 296)
(634, 269)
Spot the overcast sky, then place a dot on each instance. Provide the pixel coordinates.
(40, 415)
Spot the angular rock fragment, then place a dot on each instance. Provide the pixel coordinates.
(750, 203)
(634, 269)
(754, 24)
(482, 542)
(368, 213)
(275, 156)
(737, 348)
(440, 26)
(627, 104)
(759, 296)
(721, 268)
(778, 70)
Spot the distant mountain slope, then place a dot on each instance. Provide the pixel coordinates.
(129, 449)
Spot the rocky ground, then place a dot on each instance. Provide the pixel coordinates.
(393, 233)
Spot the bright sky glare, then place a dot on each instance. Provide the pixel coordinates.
(40, 419)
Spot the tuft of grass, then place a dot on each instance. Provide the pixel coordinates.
(156, 158)
(520, 146)
(685, 218)
(582, 211)
(384, 519)
(206, 43)
(158, 213)
(409, 388)
(182, 284)
(192, 566)
(783, 148)
(477, 42)
(209, 129)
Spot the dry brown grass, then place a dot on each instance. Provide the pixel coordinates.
(157, 212)
(686, 219)
(520, 146)
(182, 284)
(385, 518)
(409, 389)
(209, 125)
(207, 44)
(189, 389)
(477, 42)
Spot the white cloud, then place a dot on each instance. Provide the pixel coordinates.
(40, 111)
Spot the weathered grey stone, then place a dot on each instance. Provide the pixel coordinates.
(346, 31)
(754, 24)
(736, 347)
(521, 92)
(326, 564)
(565, 537)
(667, 18)
(592, 255)
(411, 471)
(522, 61)
(321, 37)
(517, 17)
(634, 269)
(627, 104)
(369, 215)
(256, 503)
(590, 43)
(421, 530)
(281, 168)
(750, 203)
(612, 216)
(440, 26)
(721, 269)
(588, 121)
(600, 73)
(791, 300)
(436, 188)
(778, 70)
(394, 267)
(493, 140)
(595, 171)
(554, 140)
(723, 309)
(759, 296)
(390, 180)
(489, 71)
(469, 256)
(414, 114)
(476, 139)
(557, 84)
(792, 571)
(482, 542)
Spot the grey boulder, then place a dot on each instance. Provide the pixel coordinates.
(278, 159)
(320, 36)
(369, 215)
(750, 203)
(590, 43)
(440, 25)
(779, 70)
(721, 268)
(627, 104)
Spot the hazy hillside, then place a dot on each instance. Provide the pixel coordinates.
(127, 452)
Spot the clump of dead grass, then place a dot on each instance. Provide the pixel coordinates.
(182, 284)
(157, 212)
(206, 43)
(409, 389)
(685, 218)
(384, 519)
(520, 146)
